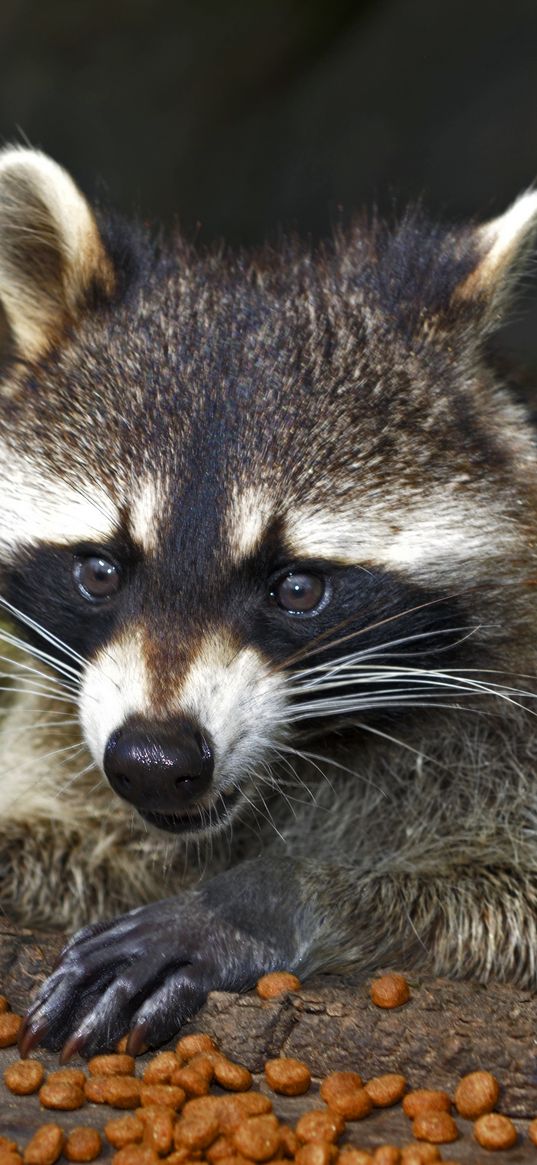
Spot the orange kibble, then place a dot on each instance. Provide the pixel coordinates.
(320, 1125)
(423, 1100)
(24, 1077)
(162, 1095)
(198, 1130)
(386, 1090)
(10, 1025)
(345, 1094)
(158, 1126)
(195, 1078)
(112, 1064)
(4, 1005)
(351, 1156)
(190, 1045)
(277, 983)
(476, 1094)
(390, 991)
(288, 1141)
(287, 1076)
(222, 1146)
(438, 1127)
(117, 1091)
(257, 1137)
(82, 1144)
(234, 1077)
(386, 1155)
(422, 1154)
(161, 1069)
(494, 1131)
(532, 1131)
(72, 1075)
(124, 1130)
(45, 1146)
(318, 1153)
(61, 1094)
(135, 1155)
(10, 1157)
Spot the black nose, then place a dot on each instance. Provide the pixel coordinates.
(162, 768)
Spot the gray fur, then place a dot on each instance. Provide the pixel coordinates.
(345, 400)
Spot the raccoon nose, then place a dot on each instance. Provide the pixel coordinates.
(159, 768)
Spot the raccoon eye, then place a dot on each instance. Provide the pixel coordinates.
(299, 593)
(96, 577)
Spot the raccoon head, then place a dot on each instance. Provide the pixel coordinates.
(244, 498)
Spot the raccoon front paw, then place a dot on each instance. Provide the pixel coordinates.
(148, 971)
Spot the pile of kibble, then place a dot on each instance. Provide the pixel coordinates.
(174, 1117)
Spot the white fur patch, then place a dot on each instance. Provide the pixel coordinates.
(423, 540)
(248, 515)
(238, 700)
(115, 686)
(145, 510)
(503, 236)
(37, 508)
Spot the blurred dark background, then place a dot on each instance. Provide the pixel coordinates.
(239, 116)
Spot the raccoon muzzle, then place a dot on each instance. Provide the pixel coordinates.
(163, 770)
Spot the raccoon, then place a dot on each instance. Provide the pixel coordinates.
(267, 571)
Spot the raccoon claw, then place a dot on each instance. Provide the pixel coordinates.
(30, 1035)
(150, 970)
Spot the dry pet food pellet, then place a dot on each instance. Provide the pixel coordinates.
(352, 1156)
(390, 991)
(257, 1137)
(198, 1130)
(118, 1091)
(190, 1045)
(276, 983)
(317, 1153)
(319, 1125)
(288, 1141)
(135, 1155)
(158, 1129)
(221, 1147)
(73, 1075)
(232, 1076)
(4, 1005)
(82, 1144)
(423, 1100)
(45, 1146)
(532, 1131)
(10, 1157)
(164, 1095)
(10, 1025)
(345, 1094)
(438, 1127)
(387, 1155)
(386, 1090)
(113, 1064)
(195, 1078)
(419, 1154)
(288, 1076)
(251, 1103)
(477, 1094)
(6, 1143)
(124, 1130)
(494, 1131)
(61, 1094)
(24, 1077)
(161, 1068)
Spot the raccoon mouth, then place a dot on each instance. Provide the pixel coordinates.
(195, 819)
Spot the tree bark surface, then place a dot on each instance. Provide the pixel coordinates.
(446, 1030)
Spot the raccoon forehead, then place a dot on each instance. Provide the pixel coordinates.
(420, 537)
(407, 533)
(38, 507)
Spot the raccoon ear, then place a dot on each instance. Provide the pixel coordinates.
(503, 247)
(51, 253)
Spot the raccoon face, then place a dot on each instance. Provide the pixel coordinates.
(250, 501)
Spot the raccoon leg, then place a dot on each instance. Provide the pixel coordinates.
(151, 969)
